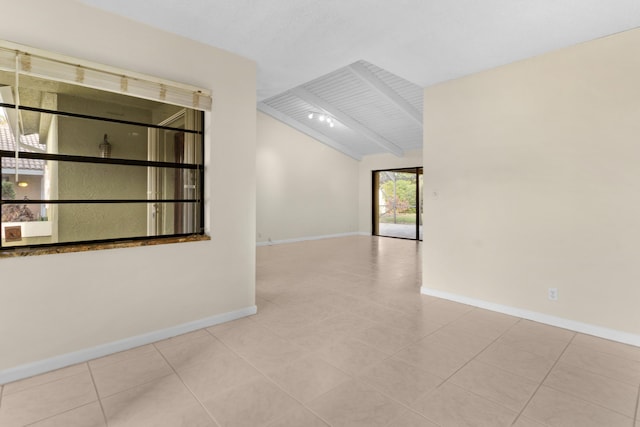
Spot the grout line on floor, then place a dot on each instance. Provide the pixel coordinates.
(64, 412)
(590, 402)
(266, 377)
(44, 382)
(635, 418)
(95, 387)
(137, 385)
(446, 380)
(185, 384)
(545, 378)
(407, 406)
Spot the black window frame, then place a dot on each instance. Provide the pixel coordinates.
(198, 167)
(418, 171)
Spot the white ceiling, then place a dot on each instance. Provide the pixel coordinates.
(302, 46)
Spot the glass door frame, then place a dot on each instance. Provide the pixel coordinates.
(375, 205)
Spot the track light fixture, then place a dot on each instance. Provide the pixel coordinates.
(322, 117)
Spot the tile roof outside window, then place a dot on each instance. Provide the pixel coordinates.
(7, 142)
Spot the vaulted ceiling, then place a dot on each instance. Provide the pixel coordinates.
(371, 110)
(363, 63)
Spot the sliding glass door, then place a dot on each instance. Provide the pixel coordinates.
(397, 203)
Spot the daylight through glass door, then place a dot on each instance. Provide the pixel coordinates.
(397, 203)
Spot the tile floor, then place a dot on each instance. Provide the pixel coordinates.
(343, 338)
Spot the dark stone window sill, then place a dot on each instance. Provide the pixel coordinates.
(19, 252)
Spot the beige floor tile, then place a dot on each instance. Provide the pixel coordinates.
(604, 391)
(606, 346)
(384, 338)
(457, 340)
(269, 356)
(444, 312)
(46, 400)
(159, 403)
(377, 313)
(450, 405)
(342, 302)
(351, 355)
(313, 337)
(542, 331)
(243, 335)
(264, 306)
(193, 352)
(324, 307)
(226, 326)
(406, 302)
(122, 356)
(217, 375)
(355, 404)
(363, 288)
(308, 378)
(85, 416)
(437, 360)
(127, 373)
(261, 347)
(540, 345)
(412, 419)
(483, 323)
(344, 324)
(298, 417)
(400, 381)
(555, 408)
(180, 340)
(608, 365)
(283, 320)
(527, 422)
(298, 293)
(517, 361)
(17, 386)
(253, 404)
(414, 324)
(509, 390)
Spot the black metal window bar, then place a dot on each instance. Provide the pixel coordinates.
(198, 167)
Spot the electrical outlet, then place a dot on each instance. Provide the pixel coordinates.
(553, 294)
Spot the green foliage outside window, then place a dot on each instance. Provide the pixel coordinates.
(8, 192)
(405, 195)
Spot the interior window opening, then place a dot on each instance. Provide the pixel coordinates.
(80, 164)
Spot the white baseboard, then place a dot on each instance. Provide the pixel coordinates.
(308, 238)
(57, 362)
(585, 328)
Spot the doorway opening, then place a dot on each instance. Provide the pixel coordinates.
(397, 203)
(171, 144)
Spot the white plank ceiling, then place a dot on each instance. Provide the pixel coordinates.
(374, 110)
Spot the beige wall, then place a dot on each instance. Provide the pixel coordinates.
(69, 302)
(532, 181)
(305, 189)
(378, 162)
